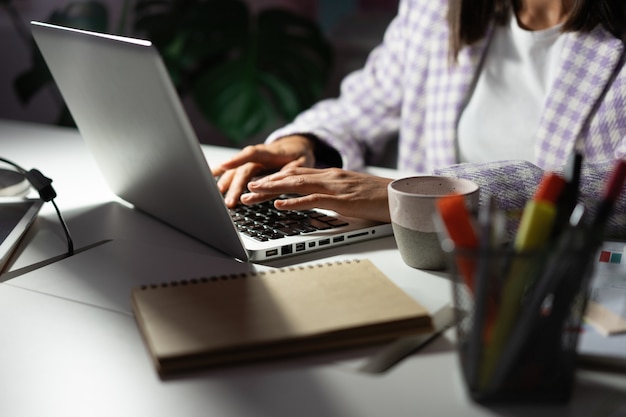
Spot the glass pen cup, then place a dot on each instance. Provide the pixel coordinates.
(519, 317)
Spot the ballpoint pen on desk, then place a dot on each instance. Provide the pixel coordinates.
(533, 233)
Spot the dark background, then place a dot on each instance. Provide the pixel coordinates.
(352, 26)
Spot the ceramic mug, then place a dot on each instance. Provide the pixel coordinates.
(412, 205)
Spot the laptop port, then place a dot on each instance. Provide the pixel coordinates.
(272, 252)
(324, 242)
(338, 239)
(286, 250)
(299, 247)
(357, 235)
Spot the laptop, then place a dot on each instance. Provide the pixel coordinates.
(130, 116)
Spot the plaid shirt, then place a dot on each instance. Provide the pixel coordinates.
(410, 88)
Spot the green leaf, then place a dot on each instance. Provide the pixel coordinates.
(240, 102)
(245, 73)
(283, 96)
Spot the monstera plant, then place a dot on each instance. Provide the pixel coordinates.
(244, 72)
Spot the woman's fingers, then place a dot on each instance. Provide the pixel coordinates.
(255, 160)
(291, 181)
(258, 154)
(233, 183)
(272, 156)
(255, 198)
(346, 192)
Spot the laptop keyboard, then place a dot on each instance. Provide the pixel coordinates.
(264, 222)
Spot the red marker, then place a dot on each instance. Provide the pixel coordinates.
(614, 188)
(458, 222)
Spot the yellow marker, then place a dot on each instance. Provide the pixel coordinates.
(534, 230)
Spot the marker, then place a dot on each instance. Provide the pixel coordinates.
(563, 278)
(561, 268)
(458, 223)
(533, 233)
(614, 188)
(539, 214)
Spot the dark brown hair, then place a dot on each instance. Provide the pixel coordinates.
(470, 20)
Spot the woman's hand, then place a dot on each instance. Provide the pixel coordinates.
(254, 160)
(349, 193)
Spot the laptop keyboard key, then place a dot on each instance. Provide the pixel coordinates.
(264, 222)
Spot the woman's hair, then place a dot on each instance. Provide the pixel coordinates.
(470, 20)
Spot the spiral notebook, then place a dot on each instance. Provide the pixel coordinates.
(221, 320)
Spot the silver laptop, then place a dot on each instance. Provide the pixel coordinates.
(127, 110)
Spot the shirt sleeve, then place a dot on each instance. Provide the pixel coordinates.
(513, 183)
(367, 112)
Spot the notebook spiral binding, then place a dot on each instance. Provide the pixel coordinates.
(227, 277)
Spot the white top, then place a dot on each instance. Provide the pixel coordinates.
(503, 113)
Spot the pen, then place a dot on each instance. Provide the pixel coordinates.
(561, 266)
(569, 195)
(550, 302)
(484, 305)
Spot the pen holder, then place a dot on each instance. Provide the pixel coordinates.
(519, 320)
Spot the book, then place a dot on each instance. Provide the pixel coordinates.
(221, 320)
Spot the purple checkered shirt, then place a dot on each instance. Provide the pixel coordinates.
(410, 88)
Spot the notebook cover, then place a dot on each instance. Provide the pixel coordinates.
(221, 320)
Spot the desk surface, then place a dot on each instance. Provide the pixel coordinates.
(63, 357)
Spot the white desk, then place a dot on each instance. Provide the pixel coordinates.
(60, 357)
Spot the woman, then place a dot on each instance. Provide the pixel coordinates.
(497, 91)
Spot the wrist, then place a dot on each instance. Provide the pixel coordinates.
(325, 155)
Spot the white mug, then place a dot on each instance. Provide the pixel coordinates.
(412, 206)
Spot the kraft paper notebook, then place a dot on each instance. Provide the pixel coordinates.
(222, 320)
